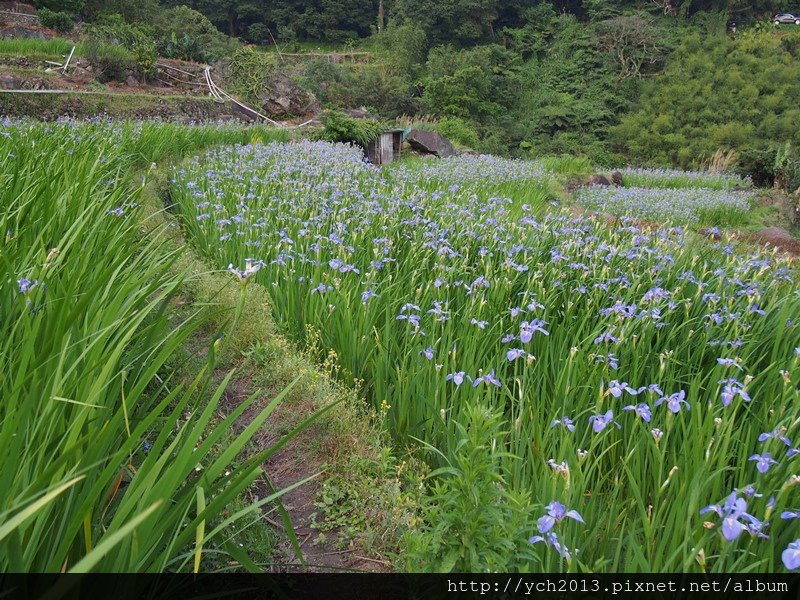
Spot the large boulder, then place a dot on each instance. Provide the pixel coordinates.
(9, 82)
(598, 180)
(284, 98)
(430, 142)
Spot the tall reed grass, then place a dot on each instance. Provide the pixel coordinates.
(110, 464)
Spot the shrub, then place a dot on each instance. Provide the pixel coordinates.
(189, 35)
(386, 93)
(458, 131)
(341, 128)
(111, 61)
(67, 6)
(717, 93)
(60, 21)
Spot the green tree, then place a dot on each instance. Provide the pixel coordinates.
(718, 93)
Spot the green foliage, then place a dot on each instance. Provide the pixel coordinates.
(250, 70)
(189, 35)
(54, 48)
(474, 84)
(718, 93)
(341, 128)
(403, 48)
(459, 21)
(141, 11)
(458, 131)
(786, 168)
(567, 97)
(111, 61)
(136, 39)
(60, 21)
(472, 522)
(372, 86)
(66, 6)
(118, 467)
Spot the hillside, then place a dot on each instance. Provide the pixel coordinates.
(603, 80)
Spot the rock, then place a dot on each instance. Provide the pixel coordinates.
(284, 98)
(79, 74)
(430, 142)
(131, 81)
(774, 234)
(9, 82)
(573, 185)
(616, 178)
(358, 113)
(22, 30)
(598, 180)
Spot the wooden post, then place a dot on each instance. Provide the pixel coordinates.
(69, 58)
(380, 15)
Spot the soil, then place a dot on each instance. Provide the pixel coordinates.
(778, 237)
(303, 457)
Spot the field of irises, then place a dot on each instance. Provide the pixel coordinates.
(692, 205)
(110, 463)
(591, 397)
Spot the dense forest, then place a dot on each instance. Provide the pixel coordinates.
(651, 82)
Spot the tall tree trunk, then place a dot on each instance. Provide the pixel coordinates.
(380, 15)
(232, 22)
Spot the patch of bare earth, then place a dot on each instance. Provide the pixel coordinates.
(304, 456)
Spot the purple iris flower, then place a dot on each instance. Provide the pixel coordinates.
(792, 452)
(565, 422)
(366, 295)
(642, 411)
(551, 539)
(733, 512)
(321, 289)
(556, 512)
(674, 401)
(26, 285)
(732, 387)
(775, 433)
(528, 329)
(600, 422)
(514, 354)
(763, 461)
(428, 352)
(615, 388)
(749, 490)
(606, 337)
(790, 514)
(508, 338)
(480, 324)
(487, 378)
(729, 362)
(791, 556)
(457, 378)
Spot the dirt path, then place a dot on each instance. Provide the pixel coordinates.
(305, 456)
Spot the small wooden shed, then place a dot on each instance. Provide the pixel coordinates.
(386, 147)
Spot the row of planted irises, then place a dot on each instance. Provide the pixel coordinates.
(115, 465)
(647, 379)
